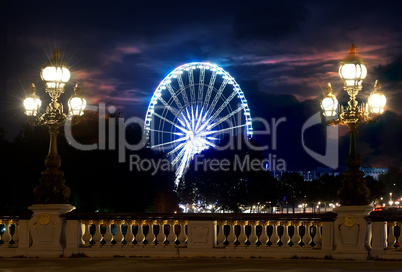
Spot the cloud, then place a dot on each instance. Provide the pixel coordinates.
(117, 54)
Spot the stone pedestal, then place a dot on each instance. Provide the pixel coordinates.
(352, 232)
(48, 229)
(201, 234)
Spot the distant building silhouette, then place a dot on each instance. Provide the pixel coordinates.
(310, 175)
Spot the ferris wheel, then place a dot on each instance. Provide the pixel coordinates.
(192, 109)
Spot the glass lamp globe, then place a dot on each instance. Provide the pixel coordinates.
(32, 102)
(329, 103)
(377, 100)
(77, 103)
(352, 69)
(55, 73)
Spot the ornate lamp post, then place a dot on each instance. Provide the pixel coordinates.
(353, 71)
(55, 74)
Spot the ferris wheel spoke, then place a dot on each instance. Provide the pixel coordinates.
(205, 142)
(183, 156)
(181, 122)
(225, 117)
(210, 87)
(183, 90)
(224, 105)
(170, 122)
(204, 125)
(177, 148)
(188, 115)
(187, 121)
(191, 83)
(168, 132)
(199, 118)
(192, 119)
(178, 157)
(218, 95)
(221, 130)
(201, 85)
(174, 96)
(186, 161)
(171, 142)
(167, 106)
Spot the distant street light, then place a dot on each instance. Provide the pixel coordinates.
(353, 71)
(55, 74)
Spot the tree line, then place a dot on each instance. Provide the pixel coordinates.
(98, 182)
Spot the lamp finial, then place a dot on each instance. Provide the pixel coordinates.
(377, 85)
(352, 50)
(328, 89)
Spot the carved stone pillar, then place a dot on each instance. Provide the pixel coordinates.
(47, 228)
(201, 234)
(351, 228)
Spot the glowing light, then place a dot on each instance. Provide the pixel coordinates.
(352, 69)
(329, 105)
(377, 103)
(32, 105)
(191, 108)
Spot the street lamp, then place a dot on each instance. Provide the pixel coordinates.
(55, 74)
(353, 71)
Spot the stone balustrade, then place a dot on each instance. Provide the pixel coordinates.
(14, 237)
(386, 227)
(9, 232)
(196, 235)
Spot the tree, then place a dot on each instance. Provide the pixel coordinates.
(377, 188)
(292, 188)
(392, 180)
(96, 178)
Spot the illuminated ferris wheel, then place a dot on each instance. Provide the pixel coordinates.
(192, 109)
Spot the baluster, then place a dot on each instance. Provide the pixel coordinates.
(87, 234)
(1, 237)
(182, 236)
(306, 238)
(221, 235)
(16, 236)
(264, 235)
(232, 235)
(242, 238)
(129, 237)
(97, 237)
(275, 239)
(161, 235)
(150, 237)
(318, 236)
(285, 237)
(108, 237)
(398, 239)
(6, 235)
(296, 235)
(118, 237)
(171, 238)
(391, 239)
(140, 237)
(253, 238)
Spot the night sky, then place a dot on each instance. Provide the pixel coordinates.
(282, 53)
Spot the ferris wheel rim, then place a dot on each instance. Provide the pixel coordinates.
(182, 108)
(193, 65)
